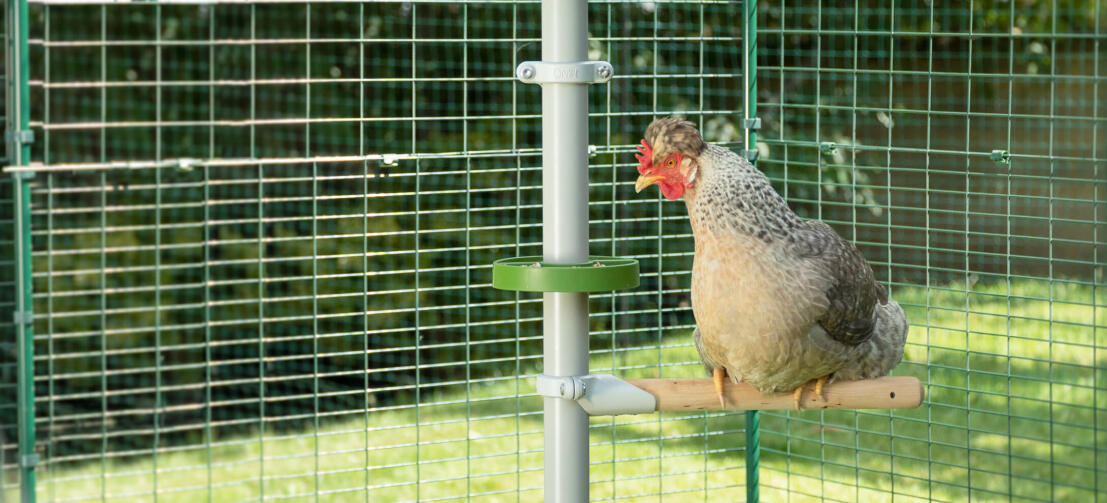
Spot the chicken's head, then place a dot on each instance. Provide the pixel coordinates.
(668, 157)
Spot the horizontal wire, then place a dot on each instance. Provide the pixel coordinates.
(205, 42)
(285, 81)
(186, 163)
(292, 121)
(251, 2)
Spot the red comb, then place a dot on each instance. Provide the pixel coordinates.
(645, 158)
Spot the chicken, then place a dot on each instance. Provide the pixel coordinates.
(779, 301)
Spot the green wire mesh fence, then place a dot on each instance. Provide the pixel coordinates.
(263, 232)
(962, 149)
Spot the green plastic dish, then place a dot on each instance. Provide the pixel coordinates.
(599, 274)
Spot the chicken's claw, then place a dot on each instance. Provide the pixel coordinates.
(820, 390)
(797, 394)
(719, 376)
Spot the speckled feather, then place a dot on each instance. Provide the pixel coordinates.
(779, 300)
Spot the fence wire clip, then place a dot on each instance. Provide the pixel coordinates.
(581, 72)
(187, 164)
(751, 123)
(29, 460)
(1001, 156)
(23, 175)
(389, 160)
(750, 155)
(24, 137)
(23, 317)
(598, 394)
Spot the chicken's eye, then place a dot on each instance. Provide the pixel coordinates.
(670, 163)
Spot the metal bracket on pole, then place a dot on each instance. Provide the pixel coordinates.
(24, 137)
(29, 460)
(22, 175)
(598, 394)
(582, 72)
(23, 317)
(16, 140)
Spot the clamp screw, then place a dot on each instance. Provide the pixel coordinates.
(526, 72)
(604, 71)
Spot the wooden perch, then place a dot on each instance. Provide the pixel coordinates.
(699, 394)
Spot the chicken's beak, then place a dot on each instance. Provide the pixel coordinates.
(645, 181)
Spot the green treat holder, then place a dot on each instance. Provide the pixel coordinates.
(599, 274)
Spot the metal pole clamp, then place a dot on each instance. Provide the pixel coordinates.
(598, 394)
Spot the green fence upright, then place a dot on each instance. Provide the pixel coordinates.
(18, 142)
(750, 124)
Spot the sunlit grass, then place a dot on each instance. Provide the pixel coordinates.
(1012, 378)
(1015, 388)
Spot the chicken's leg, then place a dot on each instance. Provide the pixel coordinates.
(719, 376)
(819, 385)
(797, 394)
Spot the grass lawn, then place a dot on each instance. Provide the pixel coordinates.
(1016, 385)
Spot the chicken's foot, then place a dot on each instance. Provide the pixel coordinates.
(820, 391)
(797, 394)
(820, 383)
(719, 376)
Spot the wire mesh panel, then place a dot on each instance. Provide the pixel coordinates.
(962, 149)
(263, 236)
(9, 437)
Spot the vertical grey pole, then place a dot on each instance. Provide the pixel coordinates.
(565, 240)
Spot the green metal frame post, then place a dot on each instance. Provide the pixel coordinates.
(750, 124)
(18, 142)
